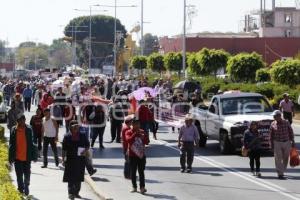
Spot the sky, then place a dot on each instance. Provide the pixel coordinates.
(44, 20)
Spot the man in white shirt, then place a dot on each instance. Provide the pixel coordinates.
(287, 108)
(50, 136)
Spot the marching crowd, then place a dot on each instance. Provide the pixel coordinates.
(84, 110)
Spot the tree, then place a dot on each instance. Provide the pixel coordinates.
(193, 64)
(263, 75)
(139, 62)
(211, 60)
(102, 36)
(31, 55)
(155, 62)
(242, 67)
(286, 72)
(151, 44)
(173, 61)
(60, 53)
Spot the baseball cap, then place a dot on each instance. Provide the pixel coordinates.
(276, 112)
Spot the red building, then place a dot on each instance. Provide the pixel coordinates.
(271, 49)
(7, 67)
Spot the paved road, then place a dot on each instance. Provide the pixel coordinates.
(214, 176)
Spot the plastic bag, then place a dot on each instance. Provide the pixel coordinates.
(244, 151)
(294, 158)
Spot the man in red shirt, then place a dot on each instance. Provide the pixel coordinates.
(137, 140)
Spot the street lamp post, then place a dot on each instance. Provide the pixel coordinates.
(115, 49)
(142, 27)
(184, 41)
(115, 39)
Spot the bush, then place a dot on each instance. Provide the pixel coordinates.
(263, 75)
(242, 67)
(286, 72)
(7, 189)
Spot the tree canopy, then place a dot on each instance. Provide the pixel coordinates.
(31, 55)
(242, 67)
(102, 36)
(151, 44)
(173, 61)
(139, 62)
(155, 62)
(286, 72)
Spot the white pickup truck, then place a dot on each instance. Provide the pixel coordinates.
(228, 116)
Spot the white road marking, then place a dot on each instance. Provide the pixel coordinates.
(266, 184)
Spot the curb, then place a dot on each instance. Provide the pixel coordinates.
(93, 186)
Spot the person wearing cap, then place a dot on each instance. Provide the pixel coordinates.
(22, 150)
(75, 147)
(287, 108)
(188, 136)
(137, 139)
(252, 142)
(282, 138)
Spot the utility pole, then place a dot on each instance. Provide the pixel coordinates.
(184, 41)
(142, 27)
(115, 39)
(90, 40)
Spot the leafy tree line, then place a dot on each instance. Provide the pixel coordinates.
(243, 67)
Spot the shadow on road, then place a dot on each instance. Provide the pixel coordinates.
(161, 196)
(98, 179)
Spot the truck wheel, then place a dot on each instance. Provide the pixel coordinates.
(203, 137)
(225, 145)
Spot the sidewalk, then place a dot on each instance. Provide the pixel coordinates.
(46, 184)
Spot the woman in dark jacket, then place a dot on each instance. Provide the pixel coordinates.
(252, 142)
(98, 125)
(75, 147)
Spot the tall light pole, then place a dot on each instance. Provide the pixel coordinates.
(90, 40)
(115, 39)
(115, 49)
(184, 41)
(142, 27)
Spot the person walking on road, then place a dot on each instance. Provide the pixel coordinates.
(252, 142)
(98, 120)
(137, 140)
(75, 146)
(287, 107)
(22, 150)
(27, 95)
(116, 115)
(50, 136)
(282, 138)
(36, 123)
(12, 114)
(188, 136)
(126, 127)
